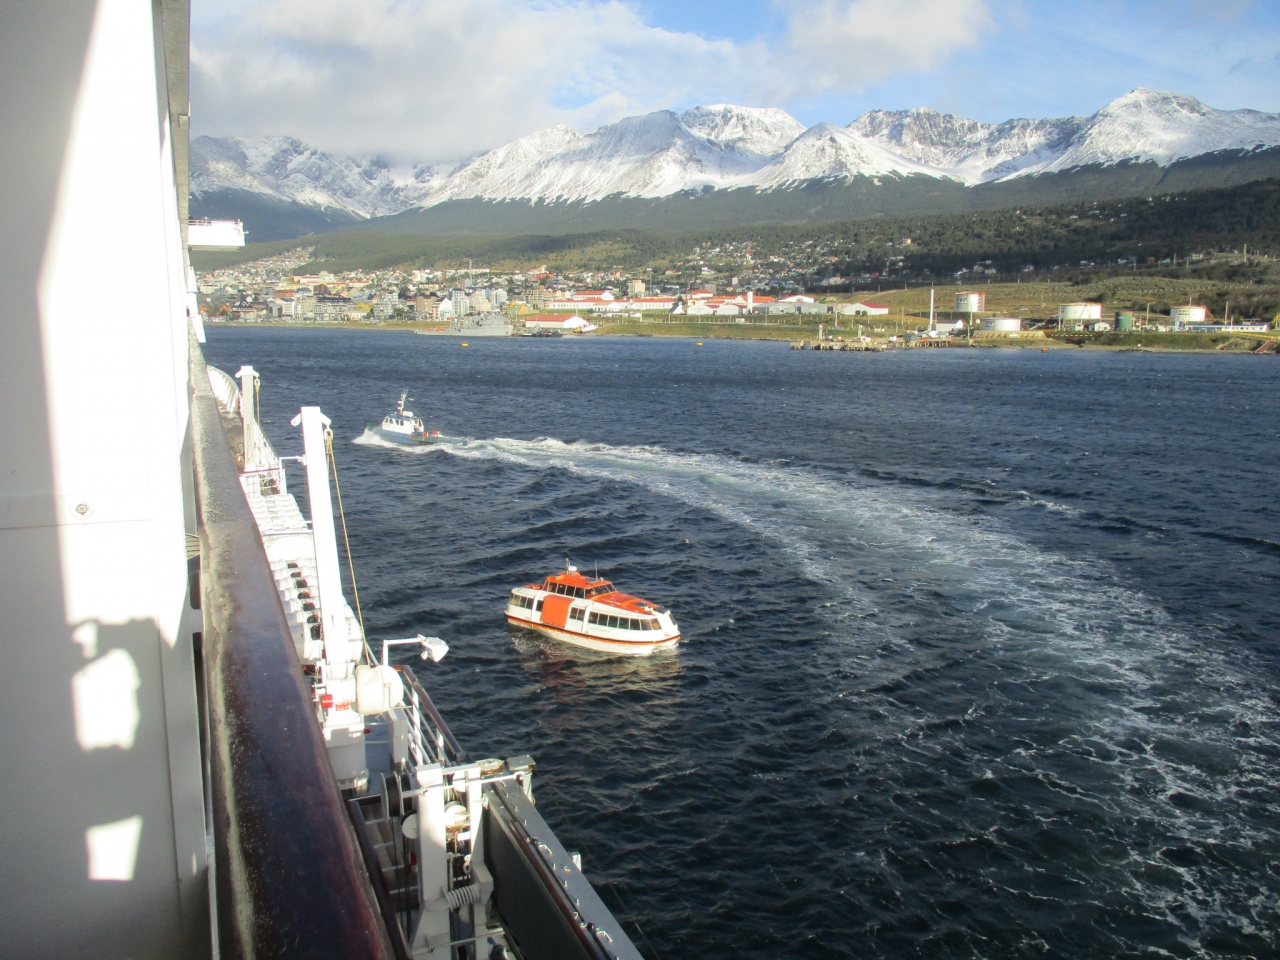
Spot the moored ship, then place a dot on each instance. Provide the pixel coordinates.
(592, 613)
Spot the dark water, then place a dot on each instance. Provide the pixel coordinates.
(981, 646)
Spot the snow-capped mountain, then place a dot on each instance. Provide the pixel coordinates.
(1165, 128)
(727, 147)
(967, 150)
(826, 152)
(288, 169)
(655, 155)
(1145, 125)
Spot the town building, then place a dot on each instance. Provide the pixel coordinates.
(559, 322)
(1002, 324)
(1185, 316)
(1254, 326)
(385, 307)
(861, 309)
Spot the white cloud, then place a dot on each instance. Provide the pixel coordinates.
(852, 43)
(443, 79)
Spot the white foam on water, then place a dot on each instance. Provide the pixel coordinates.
(1049, 614)
(370, 438)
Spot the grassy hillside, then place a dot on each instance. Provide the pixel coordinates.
(1157, 227)
(268, 219)
(824, 202)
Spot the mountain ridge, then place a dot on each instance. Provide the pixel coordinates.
(726, 148)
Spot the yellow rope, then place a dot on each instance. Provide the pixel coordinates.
(333, 462)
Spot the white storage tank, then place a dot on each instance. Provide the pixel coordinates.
(1181, 316)
(971, 302)
(1002, 324)
(1079, 312)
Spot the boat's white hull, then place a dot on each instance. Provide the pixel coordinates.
(633, 648)
(414, 439)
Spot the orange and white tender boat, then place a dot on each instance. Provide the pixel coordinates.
(592, 613)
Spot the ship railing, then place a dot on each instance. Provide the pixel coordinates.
(286, 867)
(266, 463)
(267, 469)
(430, 739)
(225, 390)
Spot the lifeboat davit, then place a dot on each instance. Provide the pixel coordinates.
(592, 613)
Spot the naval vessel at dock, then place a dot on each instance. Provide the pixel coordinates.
(476, 325)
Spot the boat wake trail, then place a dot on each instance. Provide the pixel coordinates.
(854, 535)
(1100, 679)
(371, 439)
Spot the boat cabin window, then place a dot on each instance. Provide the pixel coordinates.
(567, 591)
(537, 607)
(520, 600)
(576, 613)
(600, 589)
(621, 623)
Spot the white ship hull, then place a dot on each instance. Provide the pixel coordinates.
(631, 648)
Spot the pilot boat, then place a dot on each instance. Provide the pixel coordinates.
(592, 613)
(401, 426)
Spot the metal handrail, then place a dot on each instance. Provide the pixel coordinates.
(224, 389)
(289, 880)
(422, 709)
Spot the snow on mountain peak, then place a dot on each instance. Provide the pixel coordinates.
(288, 169)
(653, 155)
(969, 151)
(827, 152)
(1166, 127)
(760, 130)
(726, 146)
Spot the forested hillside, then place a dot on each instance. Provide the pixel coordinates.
(1064, 235)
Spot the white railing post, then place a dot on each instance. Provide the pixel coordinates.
(248, 378)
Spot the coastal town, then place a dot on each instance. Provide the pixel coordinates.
(476, 300)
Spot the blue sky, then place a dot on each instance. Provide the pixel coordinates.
(443, 79)
(1046, 58)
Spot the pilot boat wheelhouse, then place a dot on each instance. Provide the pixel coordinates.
(592, 613)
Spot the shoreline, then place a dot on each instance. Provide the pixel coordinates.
(1247, 345)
